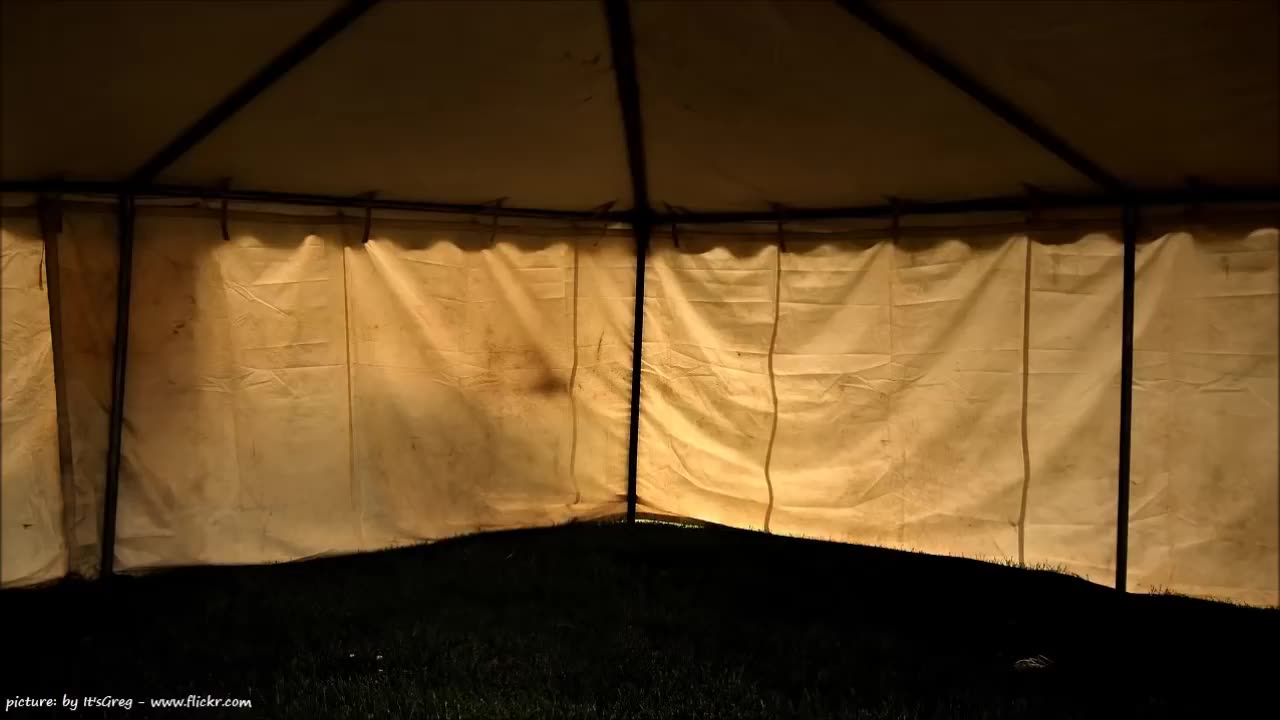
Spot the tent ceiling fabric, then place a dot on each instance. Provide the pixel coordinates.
(453, 102)
(744, 104)
(92, 89)
(801, 104)
(1155, 91)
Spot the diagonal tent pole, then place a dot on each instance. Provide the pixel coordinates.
(303, 48)
(618, 15)
(907, 41)
(1001, 107)
(295, 54)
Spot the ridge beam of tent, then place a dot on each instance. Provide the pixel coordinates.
(225, 192)
(1201, 197)
(295, 54)
(618, 15)
(914, 46)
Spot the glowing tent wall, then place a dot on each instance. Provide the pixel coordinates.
(33, 548)
(959, 394)
(296, 391)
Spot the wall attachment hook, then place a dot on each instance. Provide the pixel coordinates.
(896, 207)
(225, 186)
(49, 217)
(49, 211)
(495, 207)
(1035, 202)
(1195, 199)
(781, 211)
(672, 212)
(601, 210)
(368, 215)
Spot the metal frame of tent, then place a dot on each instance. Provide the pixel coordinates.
(642, 217)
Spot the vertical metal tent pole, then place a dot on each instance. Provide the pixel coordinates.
(260, 82)
(618, 15)
(1130, 237)
(120, 356)
(49, 209)
(291, 57)
(641, 228)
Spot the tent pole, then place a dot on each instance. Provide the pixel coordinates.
(999, 204)
(637, 351)
(1215, 195)
(120, 357)
(300, 50)
(1001, 107)
(49, 211)
(1130, 231)
(224, 192)
(618, 16)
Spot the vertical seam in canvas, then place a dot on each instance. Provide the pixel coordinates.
(357, 494)
(773, 382)
(573, 383)
(1026, 362)
(218, 265)
(894, 465)
(1171, 246)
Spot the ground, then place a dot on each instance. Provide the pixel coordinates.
(645, 621)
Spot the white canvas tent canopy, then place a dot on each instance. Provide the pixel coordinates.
(286, 279)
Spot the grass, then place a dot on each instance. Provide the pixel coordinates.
(649, 621)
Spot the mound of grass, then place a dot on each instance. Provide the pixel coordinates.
(645, 621)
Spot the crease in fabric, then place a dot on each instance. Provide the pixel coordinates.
(573, 385)
(773, 380)
(357, 491)
(1026, 377)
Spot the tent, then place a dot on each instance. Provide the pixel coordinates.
(291, 278)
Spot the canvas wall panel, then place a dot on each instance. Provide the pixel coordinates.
(1203, 509)
(955, 412)
(882, 352)
(834, 472)
(1073, 402)
(706, 406)
(236, 416)
(491, 379)
(898, 369)
(33, 548)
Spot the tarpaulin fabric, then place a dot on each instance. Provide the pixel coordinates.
(1072, 413)
(897, 375)
(705, 408)
(294, 391)
(743, 103)
(33, 546)
(902, 418)
(490, 379)
(235, 423)
(1204, 505)
(1086, 69)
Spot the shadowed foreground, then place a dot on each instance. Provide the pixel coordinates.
(638, 622)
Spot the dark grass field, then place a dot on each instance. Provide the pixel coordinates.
(648, 621)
